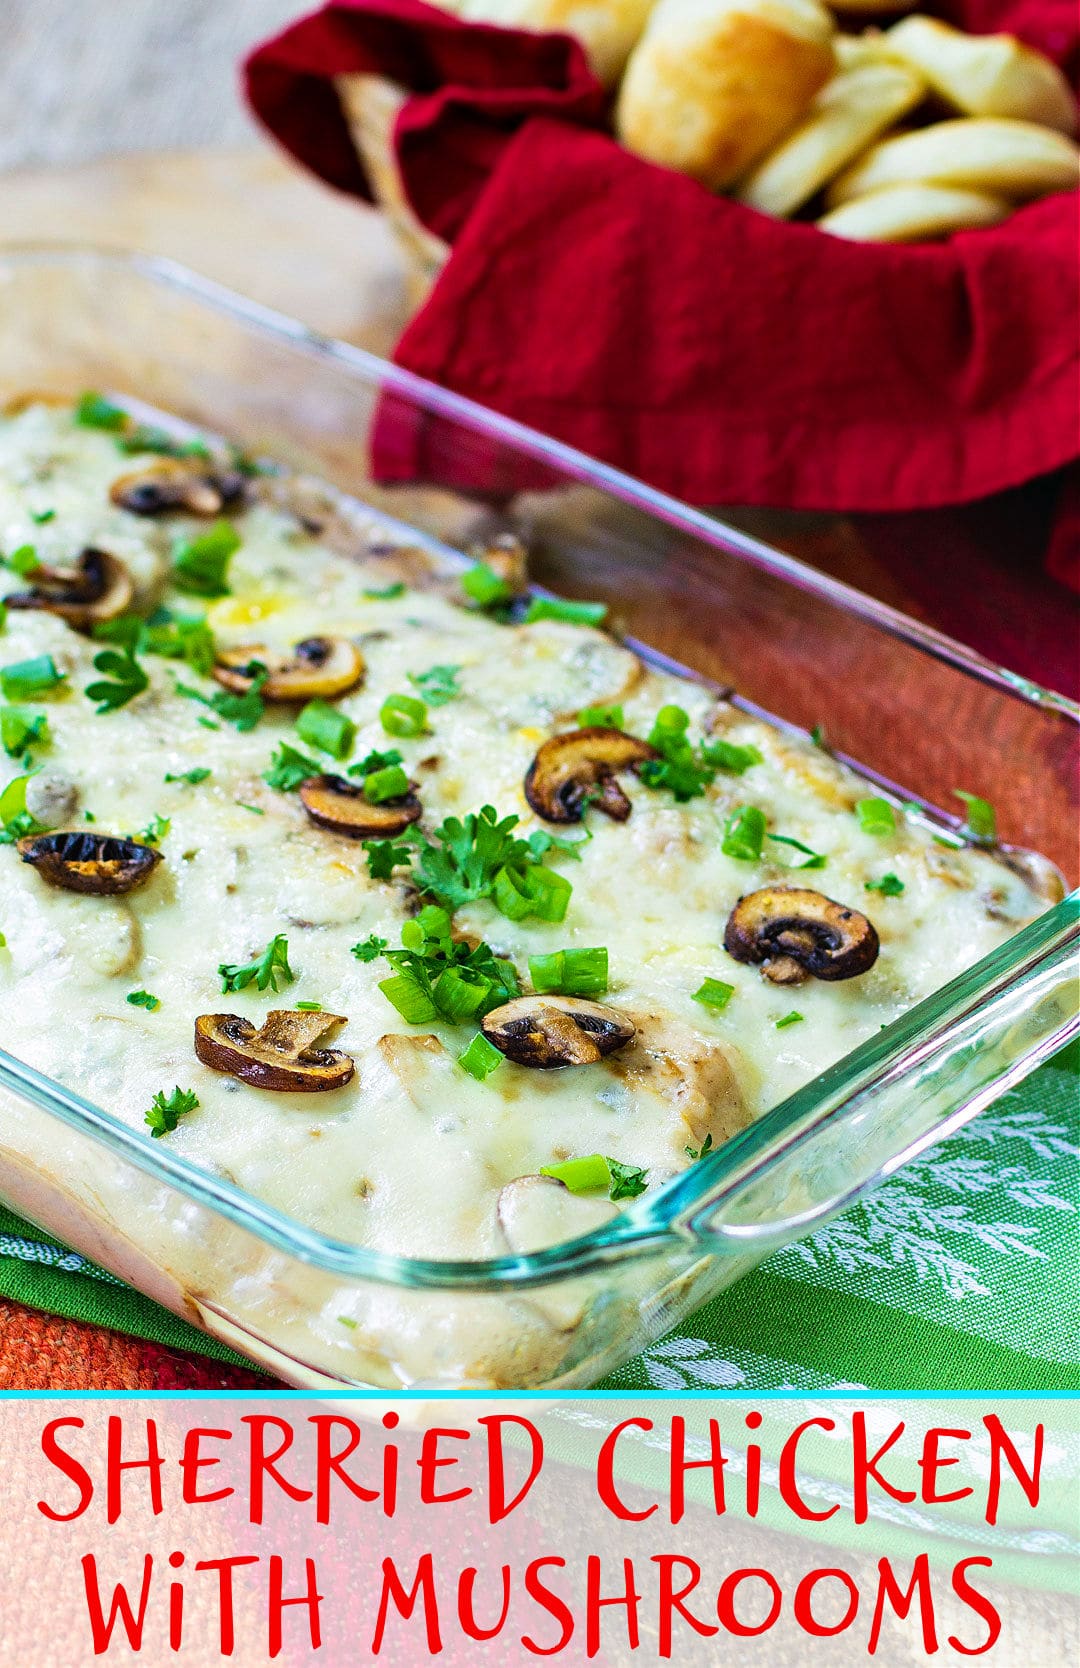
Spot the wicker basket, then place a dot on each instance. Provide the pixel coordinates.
(371, 104)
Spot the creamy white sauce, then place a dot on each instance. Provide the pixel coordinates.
(411, 1156)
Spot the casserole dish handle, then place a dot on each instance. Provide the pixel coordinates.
(773, 1184)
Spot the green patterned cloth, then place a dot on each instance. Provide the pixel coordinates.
(961, 1273)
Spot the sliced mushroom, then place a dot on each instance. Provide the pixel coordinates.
(51, 798)
(319, 667)
(796, 933)
(334, 803)
(97, 588)
(195, 484)
(81, 861)
(550, 1031)
(281, 1056)
(578, 769)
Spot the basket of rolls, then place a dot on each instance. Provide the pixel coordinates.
(903, 132)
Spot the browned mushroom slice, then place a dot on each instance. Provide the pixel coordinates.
(794, 933)
(318, 668)
(97, 588)
(334, 803)
(80, 861)
(282, 1056)
(578, 769)
(195, 484)
(550, 1031)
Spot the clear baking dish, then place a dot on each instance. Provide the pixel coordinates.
(917, 711)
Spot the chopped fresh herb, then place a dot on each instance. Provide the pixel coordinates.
(256, 810)
(744, 831)
(191, 777)
(244, 711)
(403, 715)
(541, 841)
(890, 886)
(125, 679)
(370, 949)
(818, 737)
(263, 972)
(94, 411)
(980, 824)
(148, 437)
(21, 729)
(17, 820)
(375, 761)
(167, 1110)
(570, 973)
(811, 859)
(437, 685)
(143, 999)
(208, 724)
(23, 561)
(347, 1320)
(714, 993)
(561, 608)
(793, 1018)
(389, 593)
(480, 858)
(154, 832)
(40, 517)
(176, 636)
(310, 1007)
(438, 977)
(390, 783)
(324, 726)
(201, 564)
(604, 718)
(26, 678)
(700, 1152)
(627, 1180)
(289, 767)
(596, 1174)
(876, 816)
(384, 857)
(686, 770)
(485, 587)
(480, 1058)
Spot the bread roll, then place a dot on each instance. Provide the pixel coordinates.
(713, 84)
(845, 117)
(985, 75)
(975, 153)
(912, 213)
(607, 29)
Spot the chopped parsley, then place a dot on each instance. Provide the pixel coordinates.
(256, 810)
(561, 608)
(21, 729)
(289, 767)
(375, 761)
(876, 816)
(389, 593)
(980, 824)
(811, 859)
(370, 949)
(685, 770)
(26, 678)
(191, 777)
(818, 737)
(244, 710)
(40, 517)
(154, 832)
(166, 1110)
(124, 681)
(890, 886)
(166, 633)
(437, 685)
(597, 1174)
(744, 831)
(263, 972)
(479, 857)
(384, 857)
(570, 973)
(201, 564)
(703, 1151)
(714, 993)
(793, 1018)
(143, 999)
(437, 977)
(325, 726)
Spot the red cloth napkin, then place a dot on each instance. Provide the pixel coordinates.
(718, 354)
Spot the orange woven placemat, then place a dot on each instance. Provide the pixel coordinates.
(46, 1352)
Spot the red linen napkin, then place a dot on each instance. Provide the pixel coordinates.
(719, 354)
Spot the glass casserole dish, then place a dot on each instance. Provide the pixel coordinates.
(917, 712)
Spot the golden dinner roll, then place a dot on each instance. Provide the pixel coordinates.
(845, 117)
(913, 213)
(713, 84)
(985, 75)
(607, 29)
(975, 153)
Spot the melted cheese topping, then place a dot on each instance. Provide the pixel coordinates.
(411, 1156)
